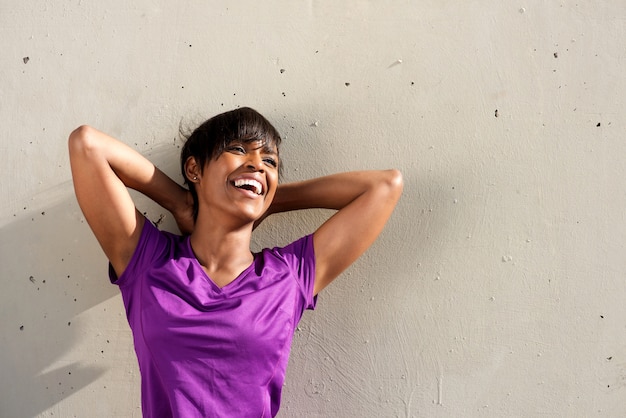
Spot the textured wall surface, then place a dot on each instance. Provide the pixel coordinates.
(498, 287)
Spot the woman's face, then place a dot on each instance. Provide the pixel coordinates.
(241, 182)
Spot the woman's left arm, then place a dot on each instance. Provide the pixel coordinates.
(364, 201)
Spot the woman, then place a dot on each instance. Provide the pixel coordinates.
(212, 322)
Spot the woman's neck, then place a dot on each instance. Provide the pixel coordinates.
(223, 251)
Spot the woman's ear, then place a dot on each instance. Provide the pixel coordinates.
(192, 170)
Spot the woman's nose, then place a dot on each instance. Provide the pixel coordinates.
(255, 162)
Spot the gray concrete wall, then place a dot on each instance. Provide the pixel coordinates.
(497, 288)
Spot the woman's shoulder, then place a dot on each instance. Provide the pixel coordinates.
(154, 247)
(292, 246)
(293, 254)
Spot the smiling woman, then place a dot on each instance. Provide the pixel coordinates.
(212, 321)
(237, 132)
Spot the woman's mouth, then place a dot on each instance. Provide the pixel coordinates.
(249, 184)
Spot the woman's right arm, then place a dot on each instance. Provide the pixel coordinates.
(102, 169)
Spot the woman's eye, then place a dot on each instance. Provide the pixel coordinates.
(237, 148)
(271, 162)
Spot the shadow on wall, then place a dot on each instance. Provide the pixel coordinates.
(54, 280)
(44, 287)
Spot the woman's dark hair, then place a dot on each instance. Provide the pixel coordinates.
(209, 140)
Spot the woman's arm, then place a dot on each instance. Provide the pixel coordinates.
(102, 169)
(364, 200)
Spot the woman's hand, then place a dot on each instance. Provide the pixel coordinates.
(184, 215)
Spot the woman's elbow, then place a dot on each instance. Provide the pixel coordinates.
(81, 140)
(394, 182)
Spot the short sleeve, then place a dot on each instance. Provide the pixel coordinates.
(152, 243)
(300, 256)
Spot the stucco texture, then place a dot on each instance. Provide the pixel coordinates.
(497, 288)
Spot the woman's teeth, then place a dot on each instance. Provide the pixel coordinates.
(249, 184)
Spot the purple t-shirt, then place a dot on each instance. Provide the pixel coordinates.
(206, 351)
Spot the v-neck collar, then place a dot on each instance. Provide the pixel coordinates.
(216, 287)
